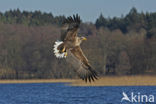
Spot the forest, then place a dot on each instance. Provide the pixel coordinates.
(118, 46)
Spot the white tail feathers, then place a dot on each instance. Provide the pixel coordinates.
(56, 51)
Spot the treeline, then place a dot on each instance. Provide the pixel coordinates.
(118, 46)
(35, 18)
(132, 21)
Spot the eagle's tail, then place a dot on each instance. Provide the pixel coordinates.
(59, 49)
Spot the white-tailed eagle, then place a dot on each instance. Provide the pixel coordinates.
(71, 42)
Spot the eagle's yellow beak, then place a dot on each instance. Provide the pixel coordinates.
(84, 38)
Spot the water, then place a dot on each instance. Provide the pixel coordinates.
(60, 93)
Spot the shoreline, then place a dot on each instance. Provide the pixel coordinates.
(11, 81)
(143, 80)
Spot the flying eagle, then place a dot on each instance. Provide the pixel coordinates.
(71, 42)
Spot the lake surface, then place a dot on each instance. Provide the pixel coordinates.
(61, 93)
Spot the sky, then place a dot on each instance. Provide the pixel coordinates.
(89, 10)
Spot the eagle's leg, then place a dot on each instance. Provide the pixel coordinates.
(63, 50)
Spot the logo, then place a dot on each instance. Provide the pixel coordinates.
(137, 97)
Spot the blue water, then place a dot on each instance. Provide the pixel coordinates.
(60, 93)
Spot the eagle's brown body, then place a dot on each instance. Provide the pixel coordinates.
(72, 42)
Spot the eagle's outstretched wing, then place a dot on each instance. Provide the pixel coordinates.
(70, 27)
(87, 72)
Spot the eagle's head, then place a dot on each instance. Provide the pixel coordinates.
(83, 38)
(80, 39)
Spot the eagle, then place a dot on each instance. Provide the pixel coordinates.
(70, 41)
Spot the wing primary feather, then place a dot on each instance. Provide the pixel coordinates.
(94, 74)
(70, 19)
(74, 17)
(95, 77)
(89, 77)
(92, 78)
(78, 18)
(85, 79)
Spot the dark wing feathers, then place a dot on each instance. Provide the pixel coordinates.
(72, 24)
(74, 19)
(87, 72)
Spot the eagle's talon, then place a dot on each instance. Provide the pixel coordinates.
(65, 54)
